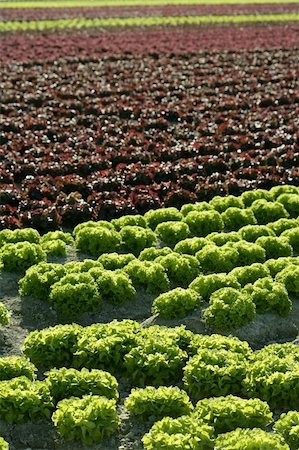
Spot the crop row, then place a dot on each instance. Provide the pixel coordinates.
(34, 48)
(8, 14)
(221, 253)
(147, 21)
(214, 371)
(96, 148)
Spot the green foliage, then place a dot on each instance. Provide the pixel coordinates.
(287, 349)
(180, 269)
(199, 206)
(250, 439)
(218, 342)
(3, 444)
(205, 285)
(230, 412)
(86, 419)
(203, 223)
(191, 245)
(250, 233)
(176, 303)
(150, 254)
(155, 362)
(218, 259)
(277, 265)
(82, 266)
(158, 402)
(275, 247)
(65, 383)
(14, 236)
(172, 232)
(249, 274)
(221, 204)
(266, 212)
(103, 346)
(273, 379)
(75, 294)
(288, 426)
(214, 373)
(39, 278)
(249, 253)
(53, 346)
(20, 256)
(4, 315)
(281, 225)
(58, 235)
(24, 400)
(235, 218)
(54, 248)
(92, 224)
(123, 221)
(290, 278)
(269, 295)
(291, 203)
(292, 237)
(276, 191)
(183, 433)
(114, 287)
(113, 261)
(16, 366)
(156, 216)
(148, 275)
(135, 239)
(249, 197)
(223, 238)
(229, 309)
(97, 240)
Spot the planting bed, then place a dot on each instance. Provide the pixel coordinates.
(154, 301)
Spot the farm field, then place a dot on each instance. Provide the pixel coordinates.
(149, 225)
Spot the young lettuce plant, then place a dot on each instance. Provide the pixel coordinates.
(221, 204)
(275, 247)
(271, 296)
(288, 427)
(170, 233)
(53, 346)
(229, 412)
(135, 239)
(16, 366)
(176, 303)
(75, 294)
(156, 216)
(203, 223)
(180, 269)
(158, 402)
(183, 433)
(229, 309)
(205, 285)
(20, 256)
(65, 383)
(235, 218)
(214, 373)
(247, 438)
(87, 419)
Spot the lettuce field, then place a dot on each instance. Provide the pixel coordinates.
(149, 225)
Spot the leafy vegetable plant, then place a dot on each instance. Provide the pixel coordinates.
(249, 439)
(229, 412)
(20, 256)
(176, 303)
(229, 309)
(183, 433)
(65, 383)
(158, 402)
(87, 419)
(288, 426)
